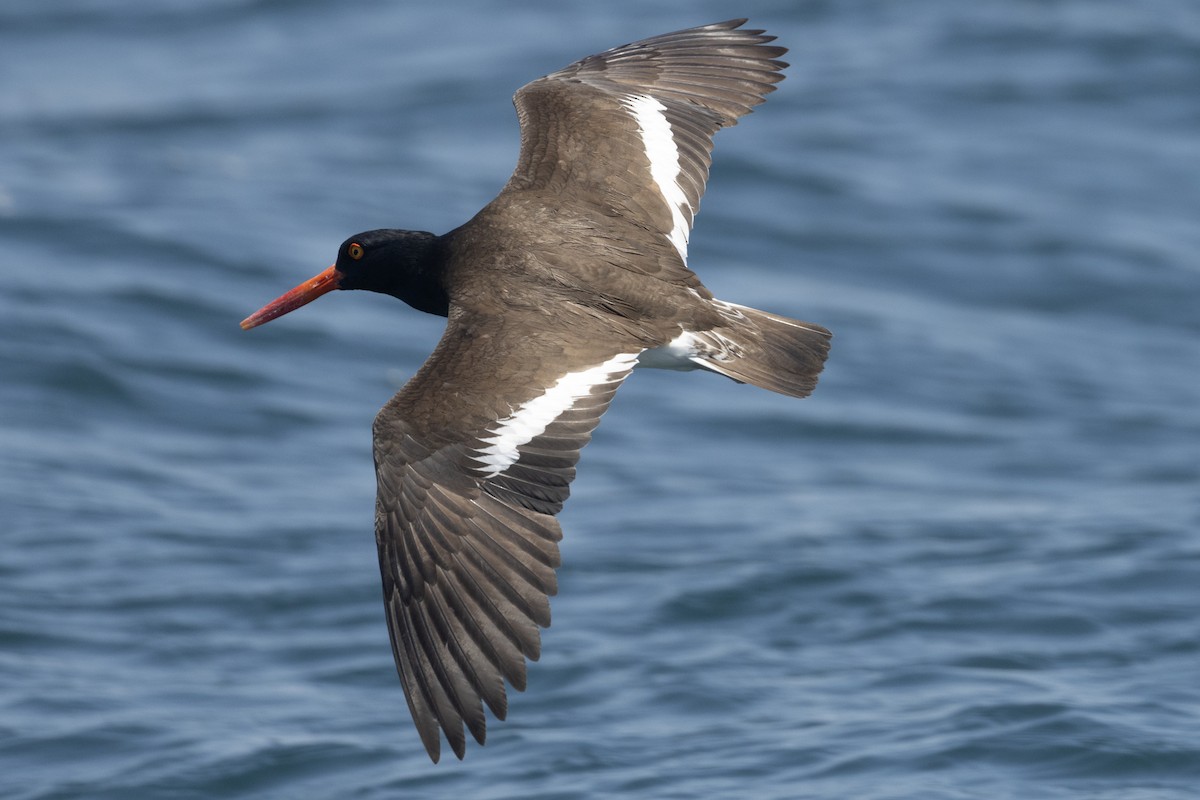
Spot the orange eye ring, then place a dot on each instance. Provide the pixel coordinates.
(355, 251)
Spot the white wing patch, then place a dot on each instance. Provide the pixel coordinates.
(659, 141)
(499, 450)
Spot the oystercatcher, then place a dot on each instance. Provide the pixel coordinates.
(573, 275)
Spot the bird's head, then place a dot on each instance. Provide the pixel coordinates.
(403, 264)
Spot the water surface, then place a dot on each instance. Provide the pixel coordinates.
(967, 567)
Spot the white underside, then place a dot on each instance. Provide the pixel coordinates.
(677, 354)
(530, 420)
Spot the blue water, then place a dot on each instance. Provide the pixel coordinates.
(967, 567)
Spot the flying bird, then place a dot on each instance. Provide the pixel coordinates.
(573, 275)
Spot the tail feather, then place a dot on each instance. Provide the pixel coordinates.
(764, 349)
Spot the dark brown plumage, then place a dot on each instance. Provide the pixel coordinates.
(554, 291)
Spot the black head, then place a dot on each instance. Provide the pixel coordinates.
(374, 260)
(404, 264)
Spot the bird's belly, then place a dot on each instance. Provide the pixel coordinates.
(677, 354)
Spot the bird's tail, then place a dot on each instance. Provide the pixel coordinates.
(767, 350)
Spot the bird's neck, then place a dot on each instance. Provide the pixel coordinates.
(419, 273)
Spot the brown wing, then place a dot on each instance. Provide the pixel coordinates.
(630, 130)
(474, 457)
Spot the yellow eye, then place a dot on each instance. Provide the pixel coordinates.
(355, 251)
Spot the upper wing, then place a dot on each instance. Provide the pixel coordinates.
(470, 472)
(631, 129)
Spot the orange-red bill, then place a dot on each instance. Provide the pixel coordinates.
(302, 295)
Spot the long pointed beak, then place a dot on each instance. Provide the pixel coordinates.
(302, 295)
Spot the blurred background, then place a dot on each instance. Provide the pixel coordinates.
(967, 567)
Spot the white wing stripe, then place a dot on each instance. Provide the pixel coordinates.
(530, 420)
(659, 141)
